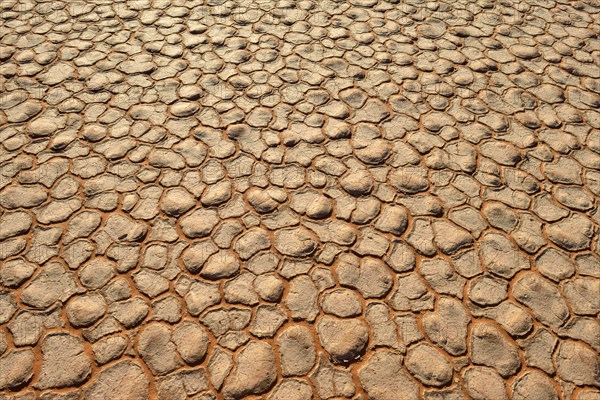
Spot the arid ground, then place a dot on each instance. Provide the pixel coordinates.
(294, 200)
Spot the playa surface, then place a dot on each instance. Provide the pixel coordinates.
(294, 200)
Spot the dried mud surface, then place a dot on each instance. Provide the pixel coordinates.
(293, 200)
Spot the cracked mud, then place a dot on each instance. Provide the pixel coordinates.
(294, 200)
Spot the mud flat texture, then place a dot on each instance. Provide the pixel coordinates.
(294, 200)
